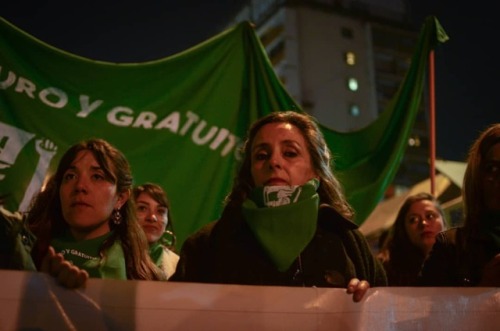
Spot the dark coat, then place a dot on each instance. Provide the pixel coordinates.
(454, 260)
(16, 242)
(226, 252)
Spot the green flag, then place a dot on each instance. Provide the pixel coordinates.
(179, 120)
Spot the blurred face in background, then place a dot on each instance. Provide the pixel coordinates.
(423, 222)
(491, 178)
(152, 216)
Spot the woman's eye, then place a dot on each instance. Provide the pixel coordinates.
(261, 156)
(98, 177)
(413, 219)
(162, 212)
(492, 168)
(68, 176)
(291, 153)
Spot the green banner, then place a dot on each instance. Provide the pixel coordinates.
(179, 120)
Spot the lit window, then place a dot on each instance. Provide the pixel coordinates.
(352, 84)
(414, 141)
(354, 110)
(350, 58)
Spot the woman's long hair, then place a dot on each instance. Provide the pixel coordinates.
(46, 221)
(472, 189)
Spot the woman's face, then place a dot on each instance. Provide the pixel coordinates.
(491, 178)
(88, 198)
(152, 216)
(279, 156)
(423, 222)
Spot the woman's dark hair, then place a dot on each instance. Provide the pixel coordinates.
(472, 189)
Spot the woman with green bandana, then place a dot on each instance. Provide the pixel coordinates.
(286, 221)
(470, 255)
(153, 213)
(84, 222)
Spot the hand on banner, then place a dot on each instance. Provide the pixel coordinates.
(66, 274)
(357, 288)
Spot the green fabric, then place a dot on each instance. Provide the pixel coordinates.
(155, 252)
(367, 160)
(85, 255)
(283, 229)
(273, 196)
(192, 109)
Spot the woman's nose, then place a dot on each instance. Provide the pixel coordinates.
(81, 184)
(275, 162)
(152, 217)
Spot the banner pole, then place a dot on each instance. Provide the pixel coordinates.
(432, 124)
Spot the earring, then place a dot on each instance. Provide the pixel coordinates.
(168, 239)
(116, 217)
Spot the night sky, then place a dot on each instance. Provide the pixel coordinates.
(467, 65)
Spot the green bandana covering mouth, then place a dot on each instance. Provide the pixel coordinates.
(283, 219)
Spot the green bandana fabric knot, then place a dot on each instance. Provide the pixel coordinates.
(283, 219)
(156, 252)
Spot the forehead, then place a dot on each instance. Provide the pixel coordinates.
(84, 156)
(278, 132)
(422, 205)
(147, 197)
(144, 196)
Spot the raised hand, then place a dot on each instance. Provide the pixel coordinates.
(66, 274)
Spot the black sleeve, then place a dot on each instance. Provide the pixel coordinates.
(440, 268)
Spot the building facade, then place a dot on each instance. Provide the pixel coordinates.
(343, 61)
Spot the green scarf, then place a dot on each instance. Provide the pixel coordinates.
(283, 219)
(85, 255)
(156, 252)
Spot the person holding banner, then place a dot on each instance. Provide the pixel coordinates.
(84, 222)
(286, 221)
(410, 238)
(153, 213)
(470, 255)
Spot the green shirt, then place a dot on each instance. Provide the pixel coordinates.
(85, 255)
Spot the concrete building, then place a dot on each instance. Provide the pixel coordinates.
(343, 61)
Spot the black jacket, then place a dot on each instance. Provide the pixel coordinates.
(226, 252)
(455, 260)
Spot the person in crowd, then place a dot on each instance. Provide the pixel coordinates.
(153, 213)
(410, 238)
(286, 221)
(84, 222)
(16, 241)
(469, 255)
